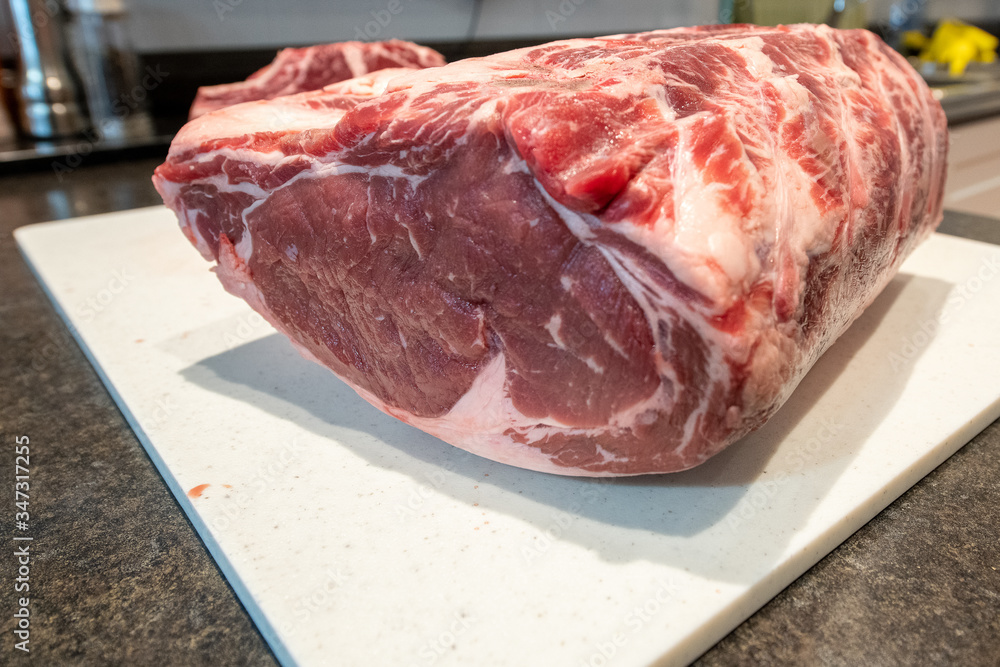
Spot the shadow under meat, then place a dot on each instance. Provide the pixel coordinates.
(652, 517)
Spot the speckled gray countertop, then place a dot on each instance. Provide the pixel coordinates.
(120, 577)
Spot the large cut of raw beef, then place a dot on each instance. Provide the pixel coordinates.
(595, 257)
(310, 68)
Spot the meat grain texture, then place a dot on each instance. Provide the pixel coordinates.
(313, 67)
(607, 256)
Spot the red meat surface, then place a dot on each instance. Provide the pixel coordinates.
(606, 256)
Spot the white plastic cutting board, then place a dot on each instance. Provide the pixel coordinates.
(354, 539)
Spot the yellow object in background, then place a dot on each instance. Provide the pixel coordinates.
(914, 40)
(956, 44)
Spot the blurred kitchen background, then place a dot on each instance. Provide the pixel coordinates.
(159, 26)
(92, 80)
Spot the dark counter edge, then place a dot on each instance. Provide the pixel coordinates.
(124, 577)
(221, 560)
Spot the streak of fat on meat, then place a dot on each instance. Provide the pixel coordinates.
(301, 70)
(367, 85)
(354, 58)
(287, 114)
(279, 115)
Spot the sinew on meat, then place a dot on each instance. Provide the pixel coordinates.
(597, 257)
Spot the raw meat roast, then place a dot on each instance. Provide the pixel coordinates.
(596, 257)
(311, 68)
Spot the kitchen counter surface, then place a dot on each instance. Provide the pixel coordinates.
(119, 576)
